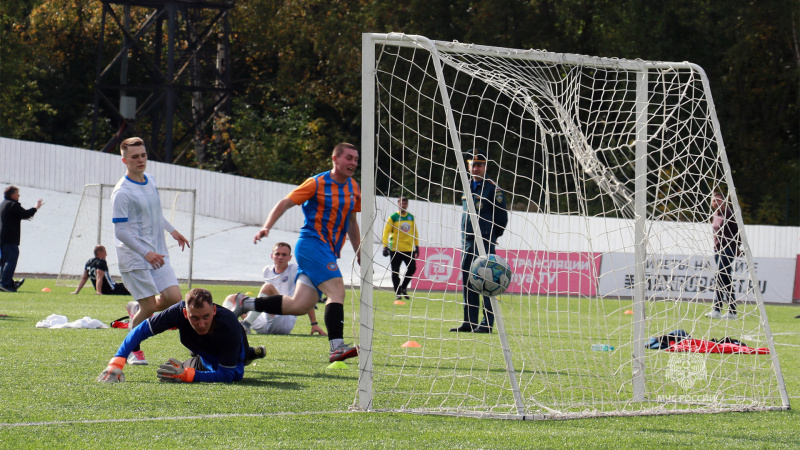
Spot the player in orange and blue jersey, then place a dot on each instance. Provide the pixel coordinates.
(330, 201)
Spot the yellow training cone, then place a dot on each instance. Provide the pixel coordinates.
(248, 293)
(337, 365)
(411, 344)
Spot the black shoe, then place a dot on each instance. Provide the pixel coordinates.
(3, 289)
(465, 328)
(18, 284)
(404, 293)
(255, 353)
(482, 329)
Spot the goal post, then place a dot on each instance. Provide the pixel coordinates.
(93, 226)
(608, 167)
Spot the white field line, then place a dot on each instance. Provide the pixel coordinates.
(152, 419)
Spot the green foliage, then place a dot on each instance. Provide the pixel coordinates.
(307, 54)
(284, 143)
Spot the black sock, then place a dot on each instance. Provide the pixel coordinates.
(334, 320)
(270, 305)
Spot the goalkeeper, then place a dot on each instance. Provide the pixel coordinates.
(216, 341)
(401, 244)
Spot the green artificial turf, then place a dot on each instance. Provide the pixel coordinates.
(50, 398)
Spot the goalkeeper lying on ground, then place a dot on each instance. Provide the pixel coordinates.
(213, 335)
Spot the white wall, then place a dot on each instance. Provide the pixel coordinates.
(66, 169)
(248, 201)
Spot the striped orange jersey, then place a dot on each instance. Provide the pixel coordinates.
(327, 206)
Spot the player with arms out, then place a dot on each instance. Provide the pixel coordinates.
(139, 226)
(279, 279)
(330, 201)
(213, 336)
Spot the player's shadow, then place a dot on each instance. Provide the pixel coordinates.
(271, 379)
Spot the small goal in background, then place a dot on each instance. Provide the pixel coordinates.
(93, 227)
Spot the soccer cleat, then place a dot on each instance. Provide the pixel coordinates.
(132, 307)
(464, 328)
(482, 329)
(714, 315)
(137, 359)
(729, 316)
(237, 307)
(343, 352)
(18, 284)
(404, 293)
(255, 353)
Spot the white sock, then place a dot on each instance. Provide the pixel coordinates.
(251, 317)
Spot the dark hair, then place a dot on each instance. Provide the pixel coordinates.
(98, 249)
(402, 199)
(196, 297)
(282, 244)
(340, 148)
(11, 190)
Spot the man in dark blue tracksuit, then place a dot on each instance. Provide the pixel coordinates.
(490, 205)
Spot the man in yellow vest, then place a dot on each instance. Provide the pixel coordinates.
(401, 244)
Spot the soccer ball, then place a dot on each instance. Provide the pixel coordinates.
(490, 275)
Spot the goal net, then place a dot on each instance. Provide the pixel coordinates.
(609, 167)
(93, 226)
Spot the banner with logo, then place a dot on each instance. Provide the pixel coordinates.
(693, 277)
(535, 272)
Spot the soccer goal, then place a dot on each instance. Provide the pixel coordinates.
(609, 168)
(93, 227)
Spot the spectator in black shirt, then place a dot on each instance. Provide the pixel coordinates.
(11, 215)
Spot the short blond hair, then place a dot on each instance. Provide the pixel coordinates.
(128, 143)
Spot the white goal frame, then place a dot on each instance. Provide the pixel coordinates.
(70, 272)
(633, 204)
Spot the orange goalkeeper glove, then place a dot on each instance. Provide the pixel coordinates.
(172, 372)
(113, 372)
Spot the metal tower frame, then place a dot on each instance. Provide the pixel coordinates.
(171, 75)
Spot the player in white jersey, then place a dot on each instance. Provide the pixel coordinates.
(278, 279)
(139, 227)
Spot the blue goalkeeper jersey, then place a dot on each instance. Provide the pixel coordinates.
(222, 350)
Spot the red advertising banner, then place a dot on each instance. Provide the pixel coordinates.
(796, 294)
(535, 272)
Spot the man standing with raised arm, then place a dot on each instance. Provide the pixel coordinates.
(11, 215)
(330, 201)
(139, 226)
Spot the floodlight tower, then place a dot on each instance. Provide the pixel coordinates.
(170, 77)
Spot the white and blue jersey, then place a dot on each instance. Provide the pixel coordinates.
(137, 207)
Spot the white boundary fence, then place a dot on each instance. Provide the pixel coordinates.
(248, 201)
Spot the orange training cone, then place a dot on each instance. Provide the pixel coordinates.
(46, 290)
(411, 344)
(628, 311)
(399, 302)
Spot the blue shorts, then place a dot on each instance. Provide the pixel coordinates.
(316, 260)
